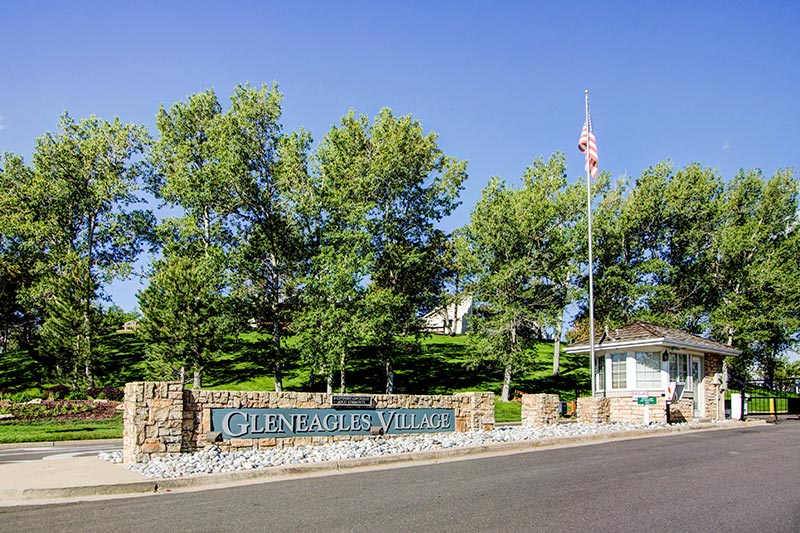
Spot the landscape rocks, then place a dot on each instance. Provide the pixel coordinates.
(212, 460)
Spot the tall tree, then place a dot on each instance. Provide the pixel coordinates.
(19, 256)
(521, 249)
(383, 187)
(79, 192)
(267, 172)
(755, 274)
(561, 238)
(337, 202)
(414, 185)
(683, 211)
(454, 278)
(185, 321)
(190, 175)
(615, 279)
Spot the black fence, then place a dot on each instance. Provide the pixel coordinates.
(773, 398)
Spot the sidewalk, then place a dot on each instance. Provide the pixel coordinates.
(82, 478)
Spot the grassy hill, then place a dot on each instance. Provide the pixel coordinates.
(440, 367)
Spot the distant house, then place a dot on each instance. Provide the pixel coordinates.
(451, 319)
(128, 327)
(667, 364)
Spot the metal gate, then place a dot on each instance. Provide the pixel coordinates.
(776, 397)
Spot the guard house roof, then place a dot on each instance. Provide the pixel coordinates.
(642, 334)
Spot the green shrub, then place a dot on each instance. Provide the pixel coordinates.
(58, 392)
(27, 395)
(49, 409)
(114, 394)
(77, 395)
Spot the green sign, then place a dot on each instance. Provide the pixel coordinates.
(649, 400)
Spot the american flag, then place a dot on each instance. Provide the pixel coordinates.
(588, 140)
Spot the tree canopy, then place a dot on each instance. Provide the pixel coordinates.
(317, 252)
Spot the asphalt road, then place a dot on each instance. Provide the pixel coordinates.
(39, 453)
(733, 480)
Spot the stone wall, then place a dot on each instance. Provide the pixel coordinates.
(153, 422)
(540, 409)
(593, 410)
(713, 394)
(163, 418)
(628, 410)
(601, 410)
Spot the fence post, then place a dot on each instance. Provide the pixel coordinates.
(744, 400)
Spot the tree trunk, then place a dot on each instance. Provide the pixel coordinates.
(557, 345)
(389, 376)
(87, 371)
(198, 379)
(278, 374)
(87, 304)
(504, 395)
(342, 363)
(276, 326)
(329, 383)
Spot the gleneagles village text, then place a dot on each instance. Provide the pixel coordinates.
(248, 423)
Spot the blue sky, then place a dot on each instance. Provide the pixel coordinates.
(501, 82)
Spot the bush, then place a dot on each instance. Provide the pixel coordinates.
(52, 409)
(114, 394)
(77, 395)
(26, 395)
(58, 392)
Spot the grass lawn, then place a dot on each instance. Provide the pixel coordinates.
(441, 365)
(60, 430)
(507, 411)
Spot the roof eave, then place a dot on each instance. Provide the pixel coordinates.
(662, 341)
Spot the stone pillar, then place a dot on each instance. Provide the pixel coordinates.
(153, 420)
(594, 410)
(477, 411)
(540, 409)
(714, 387)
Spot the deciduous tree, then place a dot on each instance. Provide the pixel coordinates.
(77, 215)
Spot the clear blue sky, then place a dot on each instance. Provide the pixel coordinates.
(501, 82)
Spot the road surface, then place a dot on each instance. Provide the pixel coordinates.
(733, 480)
(38, 453)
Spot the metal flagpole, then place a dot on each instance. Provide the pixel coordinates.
(591, 259)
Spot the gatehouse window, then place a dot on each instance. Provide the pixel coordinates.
(678, 367)
(648, 370)
(618, 370)
(600, 372)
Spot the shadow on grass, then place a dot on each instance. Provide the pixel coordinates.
(431, 368)
(246, 359)
(18, 370)
(72, 430)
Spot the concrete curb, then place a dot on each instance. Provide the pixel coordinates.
(160, 486)
(56, 444)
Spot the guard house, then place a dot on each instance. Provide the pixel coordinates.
(639, 367)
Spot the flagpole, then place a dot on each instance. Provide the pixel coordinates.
(591, 259)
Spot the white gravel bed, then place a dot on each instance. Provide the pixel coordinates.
(213, 461)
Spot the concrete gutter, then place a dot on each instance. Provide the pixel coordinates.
(114, 480)
(61, 443)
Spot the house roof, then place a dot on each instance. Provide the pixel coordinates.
(642, 334)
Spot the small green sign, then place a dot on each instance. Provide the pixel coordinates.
(649, 400)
